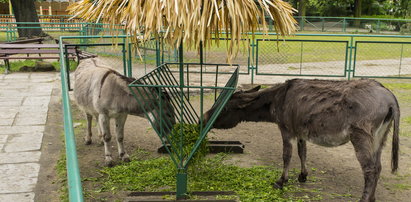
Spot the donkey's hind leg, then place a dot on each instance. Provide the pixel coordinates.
(120, 122)
(104, 124)
(87, 138)
(302, 153)
(362, 142)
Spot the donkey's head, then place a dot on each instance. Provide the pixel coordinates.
(163, 113)
(239, 108)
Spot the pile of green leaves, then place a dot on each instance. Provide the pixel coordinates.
(158, 174)
(183, 138)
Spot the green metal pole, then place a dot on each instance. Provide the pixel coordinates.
(181, 184)
(378, 26)
(344, 27)
(252, 61)
(124, 58)
(351, 46)
(158, 52)
(73, 172)
(130, 60)
(181, 192)
(322, 24)
(302, 21)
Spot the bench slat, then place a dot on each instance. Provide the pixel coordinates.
(34, 57)
(33, 51)
(17, 46)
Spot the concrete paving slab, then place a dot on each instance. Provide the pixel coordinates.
(8, 112)
(6, 121)
(32, 109)
(7, 102)
(17, 178)
(17, 76)
(23, 142)
(3, 138)
(15, 92)
(11, 130)
(37, 101)
(29, 119)
(20, 157)
(22, 197)
(38, 75)
(44, 88)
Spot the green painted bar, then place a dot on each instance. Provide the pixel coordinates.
(73, 172)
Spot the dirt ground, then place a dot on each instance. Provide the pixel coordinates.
(334, 173)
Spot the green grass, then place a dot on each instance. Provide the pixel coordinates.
(16, 65)
(61, 171)
(158, 174)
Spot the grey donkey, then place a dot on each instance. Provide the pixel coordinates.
(327, 113)
(103, 93)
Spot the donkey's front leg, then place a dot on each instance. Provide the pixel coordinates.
(287, 153)
(302, 153)
(104, 124)
(120, 122)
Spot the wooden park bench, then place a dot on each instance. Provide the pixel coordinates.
(25, 41)
(38, 51)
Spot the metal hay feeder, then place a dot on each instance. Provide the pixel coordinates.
(161, 83)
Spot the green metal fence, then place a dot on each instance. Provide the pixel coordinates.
(335, 55)
(302, 57)
(354, 25)
(396, 65)
(56, 29)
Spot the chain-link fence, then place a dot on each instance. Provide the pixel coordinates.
(382, 59)
(301, 57)
(354, 25)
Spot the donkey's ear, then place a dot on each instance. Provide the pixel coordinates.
(255, 89)
(247, 101)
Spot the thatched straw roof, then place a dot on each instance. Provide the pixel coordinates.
(191, 21)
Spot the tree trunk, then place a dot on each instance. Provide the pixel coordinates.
(357, 12)
(25, 11)
(301, 7)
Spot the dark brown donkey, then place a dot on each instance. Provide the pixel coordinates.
(327, 113)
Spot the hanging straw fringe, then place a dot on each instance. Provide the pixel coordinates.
(189, 21)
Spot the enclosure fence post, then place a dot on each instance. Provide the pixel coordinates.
(130, 60)
(124, 57)
(158, 52)
(344, 25)
(351, 46)
(253, 59)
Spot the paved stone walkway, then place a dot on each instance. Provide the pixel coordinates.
(24, 99)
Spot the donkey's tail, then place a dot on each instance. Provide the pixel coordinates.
(395, 139)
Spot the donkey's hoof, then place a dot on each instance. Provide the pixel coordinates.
(302, 177)
(109, 161)
(125, 158)
(87, 142)
(278, 185)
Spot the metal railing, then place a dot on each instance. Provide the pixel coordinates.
(73, 171)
